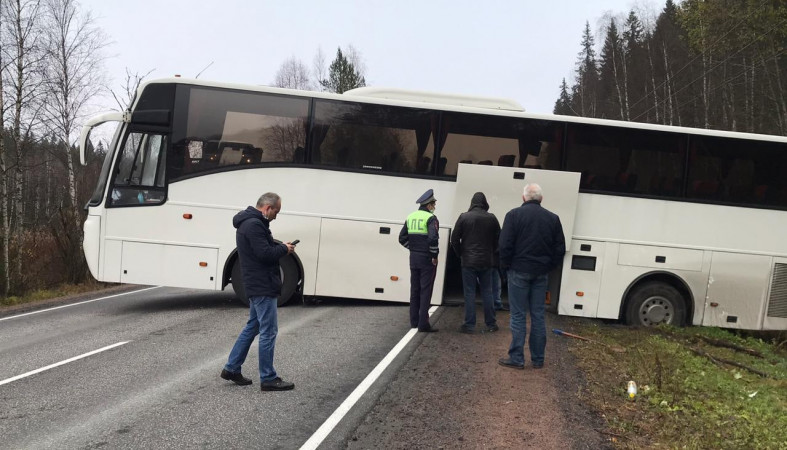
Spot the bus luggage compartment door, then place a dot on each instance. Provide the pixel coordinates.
(737, 290)
(503, 188)
(168, 265)
(581, 282)
(364, 260)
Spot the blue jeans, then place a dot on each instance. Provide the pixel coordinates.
(496, 289)
(527, 292)
(262, 321)
(484, 278)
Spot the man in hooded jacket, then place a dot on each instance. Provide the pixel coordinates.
(475, 239)
(259, 257)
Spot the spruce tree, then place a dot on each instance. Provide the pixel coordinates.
(342, 75)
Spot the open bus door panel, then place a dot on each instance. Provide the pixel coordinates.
(503, 188)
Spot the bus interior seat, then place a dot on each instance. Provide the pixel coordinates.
(441, 163)
(506, 160)
(298, 155)
(423, 164)
(760, 191)
(627, 181)
(705, 188)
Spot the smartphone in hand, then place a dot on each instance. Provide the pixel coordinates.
(295, 242)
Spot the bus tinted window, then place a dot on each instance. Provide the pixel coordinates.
(229, 129)
(626, 160)
(737, 171)
(372, 137)
(499, 141)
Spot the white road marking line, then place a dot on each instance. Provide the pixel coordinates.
(79, 303)
(52, 366)
(330, 423)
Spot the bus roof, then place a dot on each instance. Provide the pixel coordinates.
(461, 103)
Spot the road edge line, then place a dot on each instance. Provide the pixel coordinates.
(78, 303)
(330, 423)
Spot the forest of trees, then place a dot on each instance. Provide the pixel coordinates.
(50, 71)
(717, 64)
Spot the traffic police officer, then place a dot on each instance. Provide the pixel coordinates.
(419, 235)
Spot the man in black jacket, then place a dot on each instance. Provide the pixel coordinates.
(531, 245)
(259, 261)
(474, 239)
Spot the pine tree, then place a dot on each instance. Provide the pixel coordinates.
(563, 103)
(584, 100)
(611, 76)
(342, 75)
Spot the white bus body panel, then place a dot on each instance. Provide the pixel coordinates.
(580, 290)
(738, 283)
(171, 265)
(365, 260)
(504, 192)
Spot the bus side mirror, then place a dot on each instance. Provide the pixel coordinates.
(97, 120)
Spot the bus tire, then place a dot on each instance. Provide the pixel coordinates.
(290, 277)
(237, 283)
(655, 303)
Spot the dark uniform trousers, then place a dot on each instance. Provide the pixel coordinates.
(422, 276)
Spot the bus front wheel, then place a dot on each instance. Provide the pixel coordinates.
(655, 303)
(288, 269)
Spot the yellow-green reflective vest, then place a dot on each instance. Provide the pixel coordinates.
(416, 222)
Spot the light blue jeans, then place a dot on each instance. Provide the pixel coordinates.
(262, 321)
(527, 293)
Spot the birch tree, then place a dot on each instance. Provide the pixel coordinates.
(75, 75)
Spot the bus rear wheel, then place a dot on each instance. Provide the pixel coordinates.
(288, 269)
(655, 303)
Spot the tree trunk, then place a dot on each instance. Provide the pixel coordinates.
(653, 83)
(668, 86)
(781, 99)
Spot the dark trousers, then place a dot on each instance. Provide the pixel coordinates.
(422, 274)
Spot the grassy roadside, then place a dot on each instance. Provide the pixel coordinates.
(690, 392)
(59, 291)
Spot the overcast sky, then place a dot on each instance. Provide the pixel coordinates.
(518, 49)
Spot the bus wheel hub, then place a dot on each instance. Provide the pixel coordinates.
(656, 310)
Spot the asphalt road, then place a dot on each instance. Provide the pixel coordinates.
(162, 388)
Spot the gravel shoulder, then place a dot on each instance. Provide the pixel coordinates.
(451, 393)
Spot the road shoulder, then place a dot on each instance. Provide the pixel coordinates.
(451, 393)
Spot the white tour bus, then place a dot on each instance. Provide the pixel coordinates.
(663, 224)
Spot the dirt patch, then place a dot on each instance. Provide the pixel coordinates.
(453, 394)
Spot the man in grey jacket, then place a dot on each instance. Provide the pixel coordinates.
(474, 239)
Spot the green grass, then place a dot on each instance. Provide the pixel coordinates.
(46, 294)
(684, 399)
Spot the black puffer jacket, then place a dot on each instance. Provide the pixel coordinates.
(476, 234)
(259, 254)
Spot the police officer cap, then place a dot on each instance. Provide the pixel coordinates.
(427, 198)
